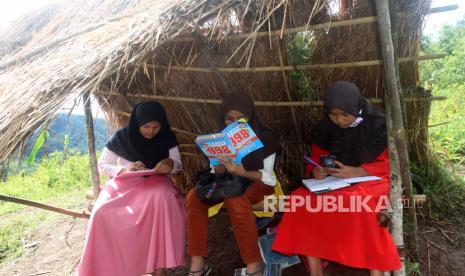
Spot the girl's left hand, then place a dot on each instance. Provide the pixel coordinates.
(346, 171)
(164, 166)
(232, 167)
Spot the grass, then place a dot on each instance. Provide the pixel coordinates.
(448, 141)
(16, 228)
(442, 177)
(15, 232)
(57, 180)
(444, 189)
(53, 177)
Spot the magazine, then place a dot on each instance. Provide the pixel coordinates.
(235, 142)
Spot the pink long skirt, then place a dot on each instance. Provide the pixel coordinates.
(137, 226)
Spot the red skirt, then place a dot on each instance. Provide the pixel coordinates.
(351, 238)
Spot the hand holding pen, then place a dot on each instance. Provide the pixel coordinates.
(318, 172)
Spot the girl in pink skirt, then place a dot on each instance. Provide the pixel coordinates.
(137, 225)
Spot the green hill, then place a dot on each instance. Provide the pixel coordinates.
(74, 127)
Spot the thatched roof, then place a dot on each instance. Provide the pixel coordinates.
(124, 51)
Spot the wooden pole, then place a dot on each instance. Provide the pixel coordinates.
(395, 193)
(2, 170)
(91, 146)
(392, 100)
(43, 206)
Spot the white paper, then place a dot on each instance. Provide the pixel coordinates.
(331, 183)
(137, 174)
(361, 179)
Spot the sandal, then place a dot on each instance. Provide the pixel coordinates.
(261, 270)
(205, 271)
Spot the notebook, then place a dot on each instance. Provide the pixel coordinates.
(142, 173)
(331, 183)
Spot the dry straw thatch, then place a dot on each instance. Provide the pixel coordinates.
(187, 54)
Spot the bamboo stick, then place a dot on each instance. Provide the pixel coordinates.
(321, 26)
(127, 114)
(393, 101)
(291, 67)
(43, 206)
(91, 146)
(395, 194)
(257, 103)
(183, 131)
(188, 154)
(286, 85)
(443, 9)
(187, 145)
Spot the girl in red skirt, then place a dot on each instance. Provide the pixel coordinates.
(354, 131)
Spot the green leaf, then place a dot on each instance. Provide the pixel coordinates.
(37, 146)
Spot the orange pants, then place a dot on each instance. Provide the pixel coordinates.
(242, 219)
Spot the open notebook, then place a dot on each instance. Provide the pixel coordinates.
(331, 183)
(142, 173)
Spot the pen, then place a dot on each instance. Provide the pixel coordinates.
(309, 160)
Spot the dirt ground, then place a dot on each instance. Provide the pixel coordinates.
(56, 249)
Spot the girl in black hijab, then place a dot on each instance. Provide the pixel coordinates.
(137, 225)
(354, 132)
(256, 166)
(147, 139)
(238, 106)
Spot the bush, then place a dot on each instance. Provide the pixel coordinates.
(55, 175)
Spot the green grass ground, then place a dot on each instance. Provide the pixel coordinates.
(58, 181)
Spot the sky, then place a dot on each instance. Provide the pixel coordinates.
(9, 10)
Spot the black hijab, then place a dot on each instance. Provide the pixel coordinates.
(244, 103)
(360, 143)
(129, 143)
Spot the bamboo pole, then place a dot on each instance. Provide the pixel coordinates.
(290, 67)
(393, 103)
(443, 9)
(257, 103)
(322, 26)
(91, 146)
(180, 131)
(286, 85)
(43, 206)
(395, 193)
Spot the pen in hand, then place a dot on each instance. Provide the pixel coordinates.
(309, 160)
